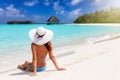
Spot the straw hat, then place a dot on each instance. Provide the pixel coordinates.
(40, 35)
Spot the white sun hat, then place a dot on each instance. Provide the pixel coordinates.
(46, 35)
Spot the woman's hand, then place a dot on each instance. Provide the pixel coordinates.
(33, 74)
(60, 69)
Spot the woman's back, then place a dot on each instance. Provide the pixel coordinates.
(41, 55)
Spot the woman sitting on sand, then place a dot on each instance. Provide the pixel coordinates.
(40, 47)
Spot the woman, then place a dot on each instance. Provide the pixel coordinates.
(40, 47)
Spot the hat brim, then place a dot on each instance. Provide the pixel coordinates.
(40, 41)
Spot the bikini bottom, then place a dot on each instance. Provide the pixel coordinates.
(41, 69)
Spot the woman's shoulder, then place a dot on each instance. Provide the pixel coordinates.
(49, 43)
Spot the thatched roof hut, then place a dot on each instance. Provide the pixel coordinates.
(53, 19)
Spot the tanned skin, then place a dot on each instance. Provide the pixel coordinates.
(39, 53)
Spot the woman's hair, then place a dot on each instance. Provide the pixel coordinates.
(48, 46)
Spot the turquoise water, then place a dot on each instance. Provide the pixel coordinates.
(15, 37)
(15, 43)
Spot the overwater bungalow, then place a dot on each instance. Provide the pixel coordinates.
(53, 20)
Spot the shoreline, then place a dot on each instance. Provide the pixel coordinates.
(106, 24)
(72, 24)
(65, 50)
(82, 59)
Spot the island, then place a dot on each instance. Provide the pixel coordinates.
(111, 15)
(20, 22)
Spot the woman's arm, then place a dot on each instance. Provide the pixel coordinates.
(34, 59)
(54, 61)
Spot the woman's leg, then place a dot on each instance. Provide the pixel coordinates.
(26, 66)
(34, 49)
(22, 66)
(29, 65)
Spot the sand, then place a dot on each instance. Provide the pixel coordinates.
(106, 24)
(100, 61)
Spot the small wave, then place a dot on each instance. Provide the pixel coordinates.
(94, 40)
(98, 39)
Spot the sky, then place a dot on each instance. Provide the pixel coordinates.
(40, 10)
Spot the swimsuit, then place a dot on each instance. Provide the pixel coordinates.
(38, 69)
(41, 69)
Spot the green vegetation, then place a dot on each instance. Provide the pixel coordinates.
(20, 22)
(108, 16)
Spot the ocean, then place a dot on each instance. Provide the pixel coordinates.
(15, 42)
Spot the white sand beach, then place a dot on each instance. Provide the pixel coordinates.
(100, 61)
(105, 24)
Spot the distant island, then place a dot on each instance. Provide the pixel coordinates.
(104, 16)
(51, 20)
(20, 22)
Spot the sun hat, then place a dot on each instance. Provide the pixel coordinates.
(40, 35)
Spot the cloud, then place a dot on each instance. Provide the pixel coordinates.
(10, 11)
(46, 3)
(56, 5)
(74, 2)
(114, 3)
(1, 11)
(62, 12)
(74, 13)
(13, 12)
(98, 2)
(58, 8)
(106, 4)
(30, 3)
